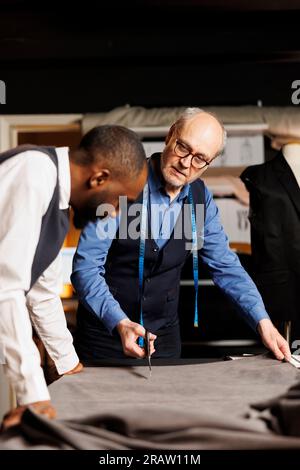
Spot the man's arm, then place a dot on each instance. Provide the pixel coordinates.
(229, 275)
(92, 289)
(48, 318)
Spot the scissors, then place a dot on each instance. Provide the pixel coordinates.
(147, 350)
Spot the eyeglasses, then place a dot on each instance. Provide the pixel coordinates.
(182, 151)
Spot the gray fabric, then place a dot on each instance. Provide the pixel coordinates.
(221, 387)
(154, 428)
(284, 412)
(197, 406)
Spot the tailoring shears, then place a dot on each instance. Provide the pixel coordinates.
(147, 350)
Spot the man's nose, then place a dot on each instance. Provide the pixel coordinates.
(186, 161)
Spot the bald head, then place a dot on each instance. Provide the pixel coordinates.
(193, 142)
(200, 125)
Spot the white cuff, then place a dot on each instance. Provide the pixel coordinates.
(67, 362)
(31, 389)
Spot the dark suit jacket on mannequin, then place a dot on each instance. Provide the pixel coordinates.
(275, 235)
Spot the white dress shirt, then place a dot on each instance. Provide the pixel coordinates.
(27, 182)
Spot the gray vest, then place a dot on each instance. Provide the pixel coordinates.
(55, 222)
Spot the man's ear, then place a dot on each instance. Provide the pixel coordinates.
(99, 178)
(170, 134)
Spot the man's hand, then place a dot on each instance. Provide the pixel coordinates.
(48, 365)
(129, 332)
(51, 374)
(13, 418)
(76, 369)
(273, 340)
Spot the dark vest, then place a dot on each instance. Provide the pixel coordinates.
(162, 269)
(55, 222)
(275, 235)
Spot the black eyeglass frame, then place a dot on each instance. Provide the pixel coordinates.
(205, 163)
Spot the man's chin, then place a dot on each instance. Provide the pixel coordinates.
(174, 181)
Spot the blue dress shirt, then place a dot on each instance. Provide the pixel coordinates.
(224, 265)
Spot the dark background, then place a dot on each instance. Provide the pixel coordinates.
(65, 57)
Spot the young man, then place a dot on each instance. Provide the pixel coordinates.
(37, 185)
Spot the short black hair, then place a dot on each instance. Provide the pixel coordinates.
(119, 146)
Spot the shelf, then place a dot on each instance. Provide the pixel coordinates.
(232, 129)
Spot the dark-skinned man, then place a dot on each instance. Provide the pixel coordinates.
(37, 186)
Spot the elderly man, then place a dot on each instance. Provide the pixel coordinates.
(37, 185)
(128, 284)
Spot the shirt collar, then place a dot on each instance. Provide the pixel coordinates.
(64, 177)
(156, 184)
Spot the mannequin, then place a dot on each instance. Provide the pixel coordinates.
(291, 153)
(274, 188)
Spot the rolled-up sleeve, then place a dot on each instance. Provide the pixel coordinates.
(48, 317)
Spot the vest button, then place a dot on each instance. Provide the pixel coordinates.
(144, 297)
(155, 249)
(147, 279)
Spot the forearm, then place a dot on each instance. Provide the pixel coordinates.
(49, 320)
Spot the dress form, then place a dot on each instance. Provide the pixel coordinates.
(291, 153)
